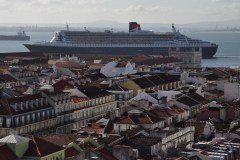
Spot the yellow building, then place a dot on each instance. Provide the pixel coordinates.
(152, 82)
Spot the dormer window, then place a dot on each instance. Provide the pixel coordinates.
(8, 122)
(48, 113)
(36, 102)
(41, 101)
(26, 104)
(43, 114)
(46, 101)
(33, 116)
(21, 106)
(31, 103)
(107, 99)
(14, 106)
(1, 121)
(52, 112)
(23, 120)
(38, 115)
(28, 118)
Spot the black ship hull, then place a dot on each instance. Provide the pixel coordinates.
(207, 52)
(14, 38)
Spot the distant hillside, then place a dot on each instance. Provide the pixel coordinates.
(117, 26)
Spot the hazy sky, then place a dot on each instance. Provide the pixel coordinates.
(144, 11)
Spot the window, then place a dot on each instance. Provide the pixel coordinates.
(1, 121)
(60, 157)
(28, 118)
(120, 97)
(22, 119)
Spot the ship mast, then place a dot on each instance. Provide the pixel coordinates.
(67, 27)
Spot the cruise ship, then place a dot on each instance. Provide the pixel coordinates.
(134, 42)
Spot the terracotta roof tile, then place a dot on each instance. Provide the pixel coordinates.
(106, 154)
(144, 118)
(71, 152)
(6, 153)
(205, 115)
(69, 64)
(132, 132)
(60, 139)
(162, 113)
(77, 99)
(236, 140)
(187, 101)
(6, 78)
(179, 109)
(110, 139)
(143, 82)
(39, 147)
(94, 92)
(154, 80)
(94, 128)
(198, 98)
(87, 145)
(96, 76)
(62, 84)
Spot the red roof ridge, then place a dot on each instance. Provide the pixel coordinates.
(33, 139)
(131, 119)
(149, 118)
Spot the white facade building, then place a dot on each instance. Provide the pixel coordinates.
(112, 69)
(231, 91)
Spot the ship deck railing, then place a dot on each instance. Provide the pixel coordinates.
(68, 44)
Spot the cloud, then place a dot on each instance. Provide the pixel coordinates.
(55, 11)
(141, 8)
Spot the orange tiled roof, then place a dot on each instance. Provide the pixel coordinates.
(77, 99)
(6, 153)
(69, 64)
(60, 139)
(106, 154)
(71, 152)
(39, 147)
(62, 84)
(94, 128)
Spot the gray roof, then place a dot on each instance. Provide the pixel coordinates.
(199, 156)
(14, 139)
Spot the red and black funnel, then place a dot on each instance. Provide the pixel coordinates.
(134, 26)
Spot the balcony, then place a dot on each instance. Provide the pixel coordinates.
(31, 121)
(65, 123)
(65, 112)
